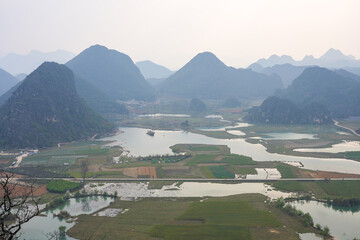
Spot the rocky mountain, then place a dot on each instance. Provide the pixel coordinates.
(150, 69)
(7, 81)
(46, 109)
(340, 94)
(281, 111)
(113, 73)
(331, 59)
(94, 98)
(206, 77)
(347, 74)
(16, 63)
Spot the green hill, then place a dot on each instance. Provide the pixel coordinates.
(113, 73)
(281, 111)
(46, 109)
(340, 94)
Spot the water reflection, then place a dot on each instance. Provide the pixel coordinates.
(343, 222)
(39, 226)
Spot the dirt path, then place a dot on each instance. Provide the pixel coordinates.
(336, 123)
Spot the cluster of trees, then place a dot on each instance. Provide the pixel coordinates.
(306, 217)
(232, 103)
(197, 106)
(339, 202)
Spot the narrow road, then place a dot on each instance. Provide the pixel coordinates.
(191, 180)
(336, 123)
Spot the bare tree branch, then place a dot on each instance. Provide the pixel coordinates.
(17, 205)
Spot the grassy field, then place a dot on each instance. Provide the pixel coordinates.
(323, 189)
(240, 170)
(202, 148)
(235, 217)
(286, 171)
(220, 172)
(61, 186)
(352, 155)
(71, 152)
(227, 159)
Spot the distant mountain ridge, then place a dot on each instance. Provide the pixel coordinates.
(7, 81)
(206, 77)
(331, 59)
(150, 69)
(17, 63)
(112, 72)
(45, 110)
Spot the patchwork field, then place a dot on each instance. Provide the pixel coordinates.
(235, 217)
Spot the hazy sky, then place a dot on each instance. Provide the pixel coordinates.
(170, 32)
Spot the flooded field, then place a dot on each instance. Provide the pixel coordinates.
(186, 189)
(39, 227)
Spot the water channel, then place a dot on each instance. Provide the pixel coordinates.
(137, 143)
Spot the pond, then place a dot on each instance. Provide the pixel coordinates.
(343, 222)
(137, 143)
(39, 226)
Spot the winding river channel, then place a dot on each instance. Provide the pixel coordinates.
(136, 142)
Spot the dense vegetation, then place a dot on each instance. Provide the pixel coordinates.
(281, 111)
(206, 77)
(61, 186)
(197, 106)
(232, 103)
(112, 72)
(45, 110)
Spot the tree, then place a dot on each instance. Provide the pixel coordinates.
(326, 231)
(197, 106)
(17, 205)
(84, 165)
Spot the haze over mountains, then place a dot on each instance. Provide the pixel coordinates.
(150, 69)
(114, 73)
(7, 81)
(206, 77)
(314, 97)
(331, 59)
(45, 110)
(152, 72)
(17, 64)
